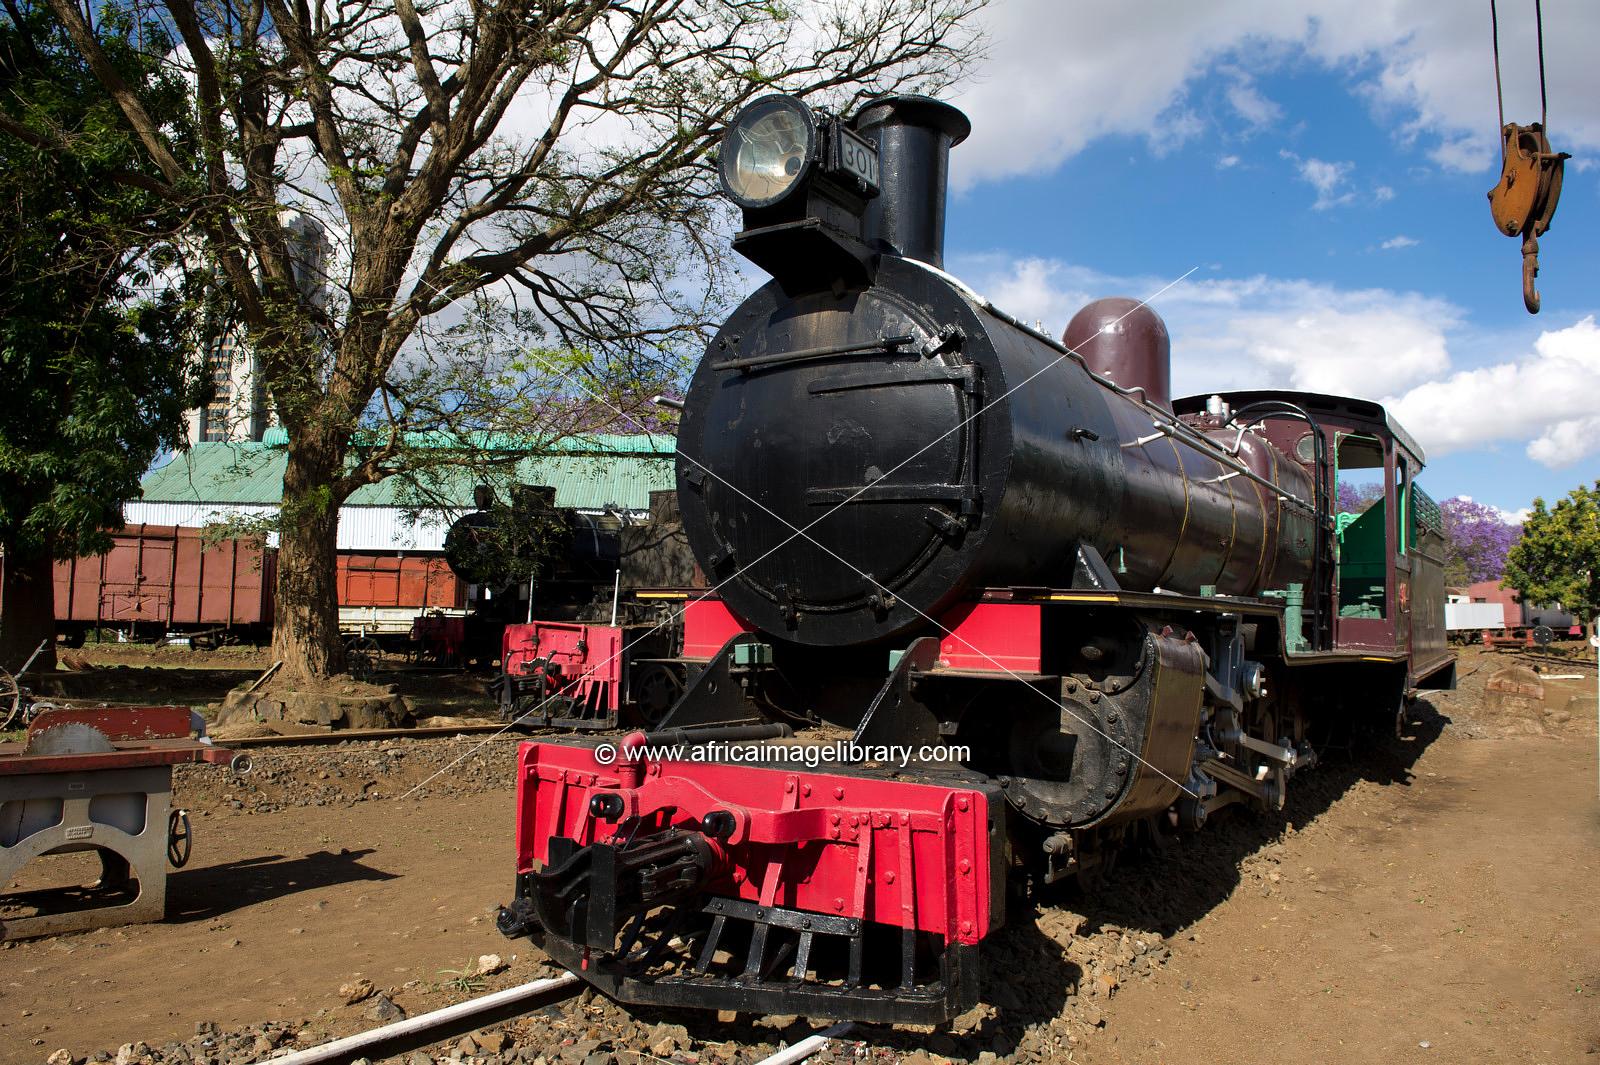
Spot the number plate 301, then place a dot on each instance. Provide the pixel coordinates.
(858, 157)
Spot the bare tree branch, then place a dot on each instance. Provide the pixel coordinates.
(504, 187)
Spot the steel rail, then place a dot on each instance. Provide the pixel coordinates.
(306, 739)
(417, 1029)
(808, 1046)
(352, 1046)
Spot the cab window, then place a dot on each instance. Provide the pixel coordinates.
(1362, 526)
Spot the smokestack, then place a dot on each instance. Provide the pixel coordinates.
(914, 135)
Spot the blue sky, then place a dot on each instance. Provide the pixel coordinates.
(1328, 181)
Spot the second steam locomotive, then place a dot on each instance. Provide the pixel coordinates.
(1080, 609)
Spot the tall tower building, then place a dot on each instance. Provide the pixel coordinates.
(241, 409)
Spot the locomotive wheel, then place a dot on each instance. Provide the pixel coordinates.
(656, 691)
(1095, 866)
(10, 700)
(1262, 718)
(180, 838)
(1156, 833)
(529, 708)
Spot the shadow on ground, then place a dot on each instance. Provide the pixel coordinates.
(1162, 891)
(203, 893)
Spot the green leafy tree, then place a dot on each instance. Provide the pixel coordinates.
(1558, 558)
(97, 374)
(551, 155)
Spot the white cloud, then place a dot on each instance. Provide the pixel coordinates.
(1251, 105)
(1509, 517)
(1465, 154)
(1545, 397)
(1310, 336)
(1383, 194)
(1399, 240)
(1329, 179)
(1061, 75)
(1379, 344)
(1248, 332)
(1044, 290)
(1227, 162)
(1172, 129)
(1566, 442)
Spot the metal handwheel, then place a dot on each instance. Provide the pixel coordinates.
(10, 700)
(180, 838)
(361, 655)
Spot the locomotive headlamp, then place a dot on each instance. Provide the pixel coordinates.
(803, 179)
(777, 145)
(768, 151)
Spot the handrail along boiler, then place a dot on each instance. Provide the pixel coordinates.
(929, 524)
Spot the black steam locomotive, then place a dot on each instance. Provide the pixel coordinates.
(518, 557)
(932, 530)
(573, 609)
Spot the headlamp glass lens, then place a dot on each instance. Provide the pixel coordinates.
(769, 153)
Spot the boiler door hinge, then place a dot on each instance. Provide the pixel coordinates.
(950, 338)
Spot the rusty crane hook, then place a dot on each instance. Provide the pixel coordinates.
(1524, 199)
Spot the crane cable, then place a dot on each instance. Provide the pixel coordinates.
(1524, 199)
(1499, 95)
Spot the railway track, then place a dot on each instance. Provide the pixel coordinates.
(1575, 659)
(322, 739)
(441, 1024)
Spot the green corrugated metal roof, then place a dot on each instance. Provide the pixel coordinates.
(589, 473)
(610, 443)
(218, 473)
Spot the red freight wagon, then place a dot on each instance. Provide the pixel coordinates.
(419, 581)
(166, 577)
(380, 596)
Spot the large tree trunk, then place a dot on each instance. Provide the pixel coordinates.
(27, 612)
(305, 627)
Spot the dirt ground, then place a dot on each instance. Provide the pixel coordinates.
(146, 674)
(236, 656)
(1433, 899)
(1447, 917)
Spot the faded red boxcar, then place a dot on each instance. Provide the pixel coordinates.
(168, 576)
(421, 581)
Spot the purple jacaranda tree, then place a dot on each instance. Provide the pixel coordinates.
(1477, 539)
(1354, 498)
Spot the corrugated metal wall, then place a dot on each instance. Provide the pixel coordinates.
(360, 528)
